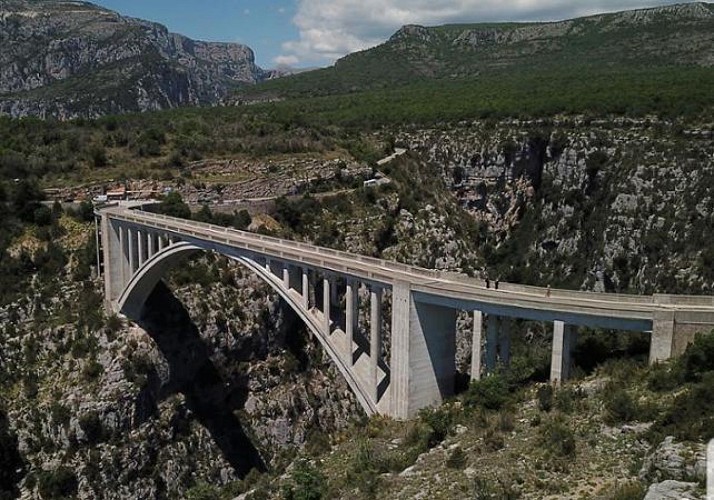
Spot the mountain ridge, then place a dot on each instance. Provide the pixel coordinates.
(667, 37)
(72, 58)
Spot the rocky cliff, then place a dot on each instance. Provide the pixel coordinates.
(608, 205)
(71, 58)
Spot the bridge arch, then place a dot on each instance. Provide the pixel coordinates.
(422, 334)
(144, 280)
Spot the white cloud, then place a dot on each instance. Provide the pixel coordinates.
(286, 60)
(329, 29)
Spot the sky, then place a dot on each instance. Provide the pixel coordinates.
(310, 33)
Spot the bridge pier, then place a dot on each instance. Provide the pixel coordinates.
(305, 291)
(294, 278)
(423, 353)
(115, 272)
(561, 358)
(132, 247)
(326, 296)
(351, 298)
(476, 351)
(140, 247)
(375, 338)
(151, 243)
(504, 341)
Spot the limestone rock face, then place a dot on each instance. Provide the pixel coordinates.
(70, 58)
(674, 490)
(216, 379)
(606, 196)
(677, 461)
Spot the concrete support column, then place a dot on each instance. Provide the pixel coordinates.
(350, 317)
(286, 276)
(131, 248)
(123, 254)
(476, 346)
(662, 339)
(162, 242)
(423, 359)
(151, 243)
(491, 342)
(267, 265)
(115, 263)
(140, 248)
(326, 304)
(305, 288)
(375, 338)
(563, 343)
(504, 341)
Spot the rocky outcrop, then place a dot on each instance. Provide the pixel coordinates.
(676, 461)
(672, 490)
(69, 58)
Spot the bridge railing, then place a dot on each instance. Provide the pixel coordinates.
(139, 216)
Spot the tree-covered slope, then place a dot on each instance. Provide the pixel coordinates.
(642, 60)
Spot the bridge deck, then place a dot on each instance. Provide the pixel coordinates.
(431, 285)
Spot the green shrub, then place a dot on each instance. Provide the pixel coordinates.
(317, 442)
(364, 471)
(690, 416)
(620, 407)
(92, 370)
(493, 439)
(491, 489)
(91, 425)
(57, 484)
(545, 398)
(203, 491)
(631, 490)
(665, 377)
(558, 439)
(506, 421)
(698, 359)
(566, 398)
(440, 420)
(60, 414)
(491, 392)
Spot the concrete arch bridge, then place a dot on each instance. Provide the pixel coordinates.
(324, 287)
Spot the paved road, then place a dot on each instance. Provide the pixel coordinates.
(450, 289)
